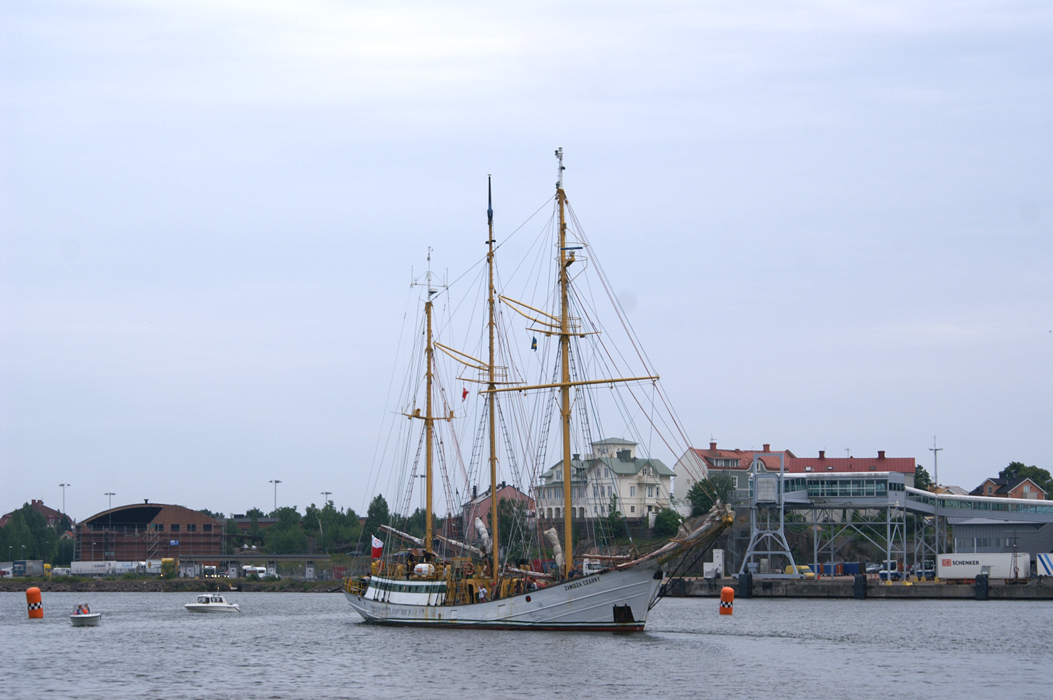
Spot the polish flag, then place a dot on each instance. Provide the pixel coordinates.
(377, 546)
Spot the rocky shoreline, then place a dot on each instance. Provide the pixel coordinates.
(156, 585)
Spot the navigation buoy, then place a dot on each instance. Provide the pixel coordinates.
(727, 600)
(36, 607)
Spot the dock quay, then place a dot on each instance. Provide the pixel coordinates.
(844, 587)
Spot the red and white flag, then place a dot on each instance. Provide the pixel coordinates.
(377, 547)
(464, 394)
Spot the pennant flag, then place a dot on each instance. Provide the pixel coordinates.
(464, 394)
(377, 547)
(533, 345)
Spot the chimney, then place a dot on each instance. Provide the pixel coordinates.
(713, 446)
(767, 447)
(822, 454)
(881, 454)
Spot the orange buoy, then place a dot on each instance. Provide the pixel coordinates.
(727, 600)
(36, 607)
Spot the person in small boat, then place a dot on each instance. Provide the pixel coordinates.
(482, 594)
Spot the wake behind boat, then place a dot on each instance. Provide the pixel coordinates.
(459, 578)
(212, 603)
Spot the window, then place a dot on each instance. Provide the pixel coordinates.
(206, 528)
(191, 527)
(650, 491)
(175, 528)
(735, 480)
(632, 509)
(632, 492)
(989, 489)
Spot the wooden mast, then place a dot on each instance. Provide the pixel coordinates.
(495, 537)
(564, 346)
(429, 428)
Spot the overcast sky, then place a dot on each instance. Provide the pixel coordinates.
(830, 222)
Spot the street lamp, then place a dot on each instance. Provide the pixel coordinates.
(275, 482)
(63, 497)
(109, 503)
(936, 490)
(327, 494)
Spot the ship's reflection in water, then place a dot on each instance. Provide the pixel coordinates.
(287, 645)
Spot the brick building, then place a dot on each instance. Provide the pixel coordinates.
(148, 531)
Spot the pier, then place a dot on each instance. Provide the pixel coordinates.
(844, 587)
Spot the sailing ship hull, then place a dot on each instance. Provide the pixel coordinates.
(614, 600)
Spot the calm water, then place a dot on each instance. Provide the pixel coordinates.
(311, 646)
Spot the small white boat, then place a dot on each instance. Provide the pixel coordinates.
(212, 603)
(84, 617)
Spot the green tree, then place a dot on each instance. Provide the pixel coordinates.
(376, 516)
(704, 494)
(614, 523)
(27, 535)
(666, 523)
(1040, 476)
(286, 536)
(511, 521)
(922, 480)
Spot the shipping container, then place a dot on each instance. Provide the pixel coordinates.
(1006, 565)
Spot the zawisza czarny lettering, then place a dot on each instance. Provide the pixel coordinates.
(579, 584)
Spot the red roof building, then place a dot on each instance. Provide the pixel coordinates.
(50, 514)
(735, 463)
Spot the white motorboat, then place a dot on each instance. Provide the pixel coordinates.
(84, 617)
(212, 603)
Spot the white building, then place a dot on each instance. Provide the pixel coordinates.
(642, 486)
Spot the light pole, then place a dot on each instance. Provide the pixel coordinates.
(275, 482)
(109, 503)
(936, 491)
(327, 494)
(63, 497)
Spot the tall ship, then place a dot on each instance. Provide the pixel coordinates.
(506, 558)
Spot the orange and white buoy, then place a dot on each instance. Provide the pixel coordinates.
(727, 600)
(36, 606)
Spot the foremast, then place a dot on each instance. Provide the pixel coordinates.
(428, 417)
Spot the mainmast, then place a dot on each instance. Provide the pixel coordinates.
(491, 397)
(429, 419)
(565, 261)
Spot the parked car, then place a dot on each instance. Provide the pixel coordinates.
(802, 569)
(873, 568)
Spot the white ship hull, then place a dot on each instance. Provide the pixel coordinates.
(615, 600)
